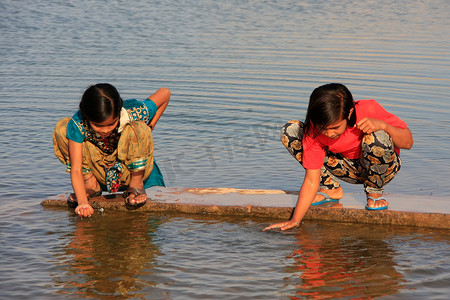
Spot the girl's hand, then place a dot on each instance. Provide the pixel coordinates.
(369, 125)
(283, 225)
(84, 210)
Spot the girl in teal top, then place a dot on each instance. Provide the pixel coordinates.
(108, 145)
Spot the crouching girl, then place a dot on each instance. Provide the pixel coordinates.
(355, 141)
(108, 145)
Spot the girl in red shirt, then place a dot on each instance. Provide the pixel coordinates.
(356, 141)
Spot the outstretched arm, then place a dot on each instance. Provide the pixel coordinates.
(161, 98)
(76, 176)
(305, 197)
(402, 137)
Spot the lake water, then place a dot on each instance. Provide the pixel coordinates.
(237, 70)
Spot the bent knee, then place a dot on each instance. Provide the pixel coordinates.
(378, 138)
(292, 129)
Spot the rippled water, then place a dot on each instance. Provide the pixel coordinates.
(237, 70)
(186, 257)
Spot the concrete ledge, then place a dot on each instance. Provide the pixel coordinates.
(273, 204)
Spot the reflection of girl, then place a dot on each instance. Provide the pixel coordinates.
(337, 265)
(356, 141)
(111, 258)
(109, 142)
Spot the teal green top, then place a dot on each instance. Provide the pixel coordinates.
(137, 111)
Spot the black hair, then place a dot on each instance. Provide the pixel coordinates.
(328, 104)
(99, 102)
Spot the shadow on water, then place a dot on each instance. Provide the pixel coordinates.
(134, 255)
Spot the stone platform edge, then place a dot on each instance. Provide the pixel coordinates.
(345, 215)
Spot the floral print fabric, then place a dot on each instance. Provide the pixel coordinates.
(376, 167)
(106, 144)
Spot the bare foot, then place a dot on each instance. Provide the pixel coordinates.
(379, 203)
(333, 194)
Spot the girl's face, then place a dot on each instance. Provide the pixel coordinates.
(335, 130)
(104, 129)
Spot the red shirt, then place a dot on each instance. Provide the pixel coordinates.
(349, 143)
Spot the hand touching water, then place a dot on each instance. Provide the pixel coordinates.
(84, 210)
(283, 225)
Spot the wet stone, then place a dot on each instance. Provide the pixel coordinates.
(272, 204)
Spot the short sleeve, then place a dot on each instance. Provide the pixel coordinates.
(140, 110)
(372, 109)
(76, 128)
(151, 107)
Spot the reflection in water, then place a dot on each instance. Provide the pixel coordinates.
(133, 255)
(335, 262)
(111, 255)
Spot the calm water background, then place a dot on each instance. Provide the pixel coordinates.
(237, 70)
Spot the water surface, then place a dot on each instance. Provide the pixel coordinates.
(237, 70)
(134, 255)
